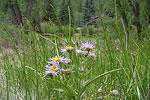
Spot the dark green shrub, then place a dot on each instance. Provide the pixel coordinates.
(90, 30)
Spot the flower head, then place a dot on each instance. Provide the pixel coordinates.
(52, 69)
(81, 52)
(57, 59)
(68, 71)
(82, 69)
(114, 92)
(66, 60)
(62, 70)
(67, 48)
(88, 46)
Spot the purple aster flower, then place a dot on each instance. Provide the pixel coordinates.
(82, 69)
(52, 69)
(57, 59)
(88, 46)
(62, 70)
(67, 48)
(81, 52)
(68, 71)
(114, 92)
(66, 60)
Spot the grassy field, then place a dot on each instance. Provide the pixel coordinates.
(95, 67)
(110, 69)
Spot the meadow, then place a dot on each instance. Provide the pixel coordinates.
(74, 68)
(106, 62)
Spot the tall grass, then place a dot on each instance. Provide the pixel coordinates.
(118, 65)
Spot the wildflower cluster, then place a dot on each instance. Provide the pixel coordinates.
(53, 67)
(86, 49)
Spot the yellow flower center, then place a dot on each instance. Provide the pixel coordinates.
(67, 47)
(69, 70)
(53, 68)
(90, 47)
(56, 59)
